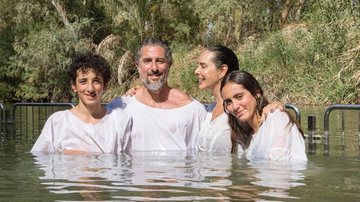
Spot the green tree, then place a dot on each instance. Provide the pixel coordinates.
(43, 48)
(8, 84)
(291, 45)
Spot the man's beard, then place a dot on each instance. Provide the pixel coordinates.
(156, 85)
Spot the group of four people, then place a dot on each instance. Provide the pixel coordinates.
(160, 118)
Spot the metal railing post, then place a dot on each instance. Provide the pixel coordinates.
(326, 123)
(342, 133)
(311, 134)
(296, 110)
(2, 121)
(359, 129)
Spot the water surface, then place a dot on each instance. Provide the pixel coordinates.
(183, 176)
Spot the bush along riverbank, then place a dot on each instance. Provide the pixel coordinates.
(304, 52)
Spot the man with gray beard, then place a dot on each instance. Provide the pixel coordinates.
(164, 118)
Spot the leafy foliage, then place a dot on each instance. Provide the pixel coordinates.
(303, 51)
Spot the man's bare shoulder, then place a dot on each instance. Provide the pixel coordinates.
(179, 97)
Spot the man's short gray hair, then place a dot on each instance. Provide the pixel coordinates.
(157, 42)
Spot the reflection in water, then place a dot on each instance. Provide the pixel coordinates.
(278, 176)
(165, 176)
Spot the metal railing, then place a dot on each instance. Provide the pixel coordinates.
(326, 123)
(296, 111)
(29, 118)
(2, 120)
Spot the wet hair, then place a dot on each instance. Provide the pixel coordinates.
(90, 61)
(155, 42)
(241, 132)
(224, 55)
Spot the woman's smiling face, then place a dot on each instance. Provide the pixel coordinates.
(239, 101)
(207, 73)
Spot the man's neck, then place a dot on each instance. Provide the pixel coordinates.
(153, 98)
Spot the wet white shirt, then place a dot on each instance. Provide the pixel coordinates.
(65, 131)
(276, 140)
(157, 129)
(215, 134)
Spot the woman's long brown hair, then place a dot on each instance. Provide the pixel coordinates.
(241, 132)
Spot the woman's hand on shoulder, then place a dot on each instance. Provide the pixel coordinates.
(271, 108)
(132, 91)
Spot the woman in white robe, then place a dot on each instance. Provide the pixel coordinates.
(279, 137)
(214, 63)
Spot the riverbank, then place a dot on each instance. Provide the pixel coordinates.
(293, 65)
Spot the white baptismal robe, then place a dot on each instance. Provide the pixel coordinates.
(65, 131)
(156, 129)
(276, 139)
(215, 134)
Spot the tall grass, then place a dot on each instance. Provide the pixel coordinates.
(315, 61)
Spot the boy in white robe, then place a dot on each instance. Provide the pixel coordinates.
(89, 127)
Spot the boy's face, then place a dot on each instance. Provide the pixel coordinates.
(89, 86)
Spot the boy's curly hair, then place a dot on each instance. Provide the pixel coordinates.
(90, 61)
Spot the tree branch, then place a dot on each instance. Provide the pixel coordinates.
(61, 11)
